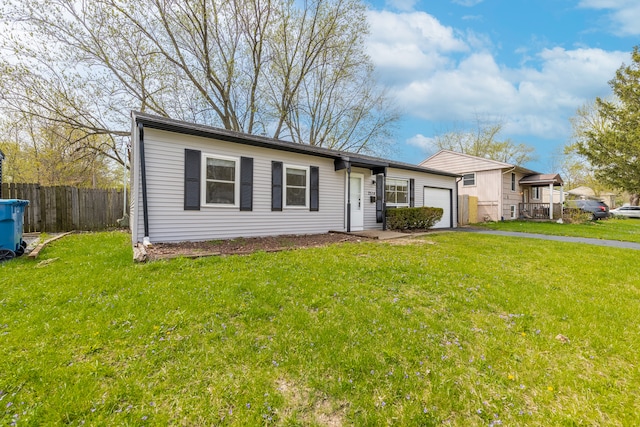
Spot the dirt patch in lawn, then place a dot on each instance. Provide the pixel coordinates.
(243, 246)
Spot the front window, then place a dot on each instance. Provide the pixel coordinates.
(535, 193)
(513, 182)
(296, 182)
(513, 211)
(468, 179)
(221, 180)
(397, 192)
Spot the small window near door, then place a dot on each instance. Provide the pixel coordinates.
(468, 179)
(513, 181)
(535, 193)
(397, 192)
(513, 211)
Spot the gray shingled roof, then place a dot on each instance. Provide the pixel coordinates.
(356, 159)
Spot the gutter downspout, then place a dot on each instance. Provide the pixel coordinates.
(143, 177)
(348, 196)
(384, 201)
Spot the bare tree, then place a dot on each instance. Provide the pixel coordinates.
(293, 70)
(482, 140)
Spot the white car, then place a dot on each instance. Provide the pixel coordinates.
(626, 211)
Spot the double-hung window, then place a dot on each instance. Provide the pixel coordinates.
(296, 186)
(535, 193)
(468, 179)
(397, 192)
(221, 180)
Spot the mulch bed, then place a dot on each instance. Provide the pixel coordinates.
(243, 246)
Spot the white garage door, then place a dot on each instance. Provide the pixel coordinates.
(439, 198)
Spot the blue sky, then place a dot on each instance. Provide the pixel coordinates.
(529, 64)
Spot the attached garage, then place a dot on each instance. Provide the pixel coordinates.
(440, 198)
(192, 182)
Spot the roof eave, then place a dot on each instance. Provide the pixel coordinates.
(358, 160)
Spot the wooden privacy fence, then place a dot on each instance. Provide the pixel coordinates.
(57, 209)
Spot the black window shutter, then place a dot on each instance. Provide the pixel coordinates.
(192, 180)
(380, 198)
(276, 186)
(412, 192)
(314, 190)
(246, 183)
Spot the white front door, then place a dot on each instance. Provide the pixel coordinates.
(357, 203)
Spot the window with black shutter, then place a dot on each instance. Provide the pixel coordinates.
(191, 179)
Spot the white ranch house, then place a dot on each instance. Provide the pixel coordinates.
(194, 183)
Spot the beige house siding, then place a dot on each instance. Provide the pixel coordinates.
(487, 191)
(511, 197)
(460, 163)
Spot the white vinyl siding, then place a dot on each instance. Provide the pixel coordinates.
(422, 180)
(169, 222)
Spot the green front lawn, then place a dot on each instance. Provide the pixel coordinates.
(625, 229)
(457, 329)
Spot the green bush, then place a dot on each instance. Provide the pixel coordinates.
(413, 218)
(575, 216)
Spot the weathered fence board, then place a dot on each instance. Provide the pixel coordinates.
(62, 208)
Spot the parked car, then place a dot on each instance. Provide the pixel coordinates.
(597, 209)
(626, 211)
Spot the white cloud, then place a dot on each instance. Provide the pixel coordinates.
(467, 3)
(624, 14)
(441, 75)
(418, 28)
(403, 44)
(402, 5)
(424, 142)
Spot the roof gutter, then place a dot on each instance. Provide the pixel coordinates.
(143, 177)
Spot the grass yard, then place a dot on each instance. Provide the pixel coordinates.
(457, 329)
(623, 229)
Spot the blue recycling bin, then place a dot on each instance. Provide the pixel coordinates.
(11, 224)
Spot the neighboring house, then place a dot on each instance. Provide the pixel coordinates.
(584, 192)
(193, 183)
(503, 190)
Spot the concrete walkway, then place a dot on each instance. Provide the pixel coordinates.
(386, 235)
(589, 241)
